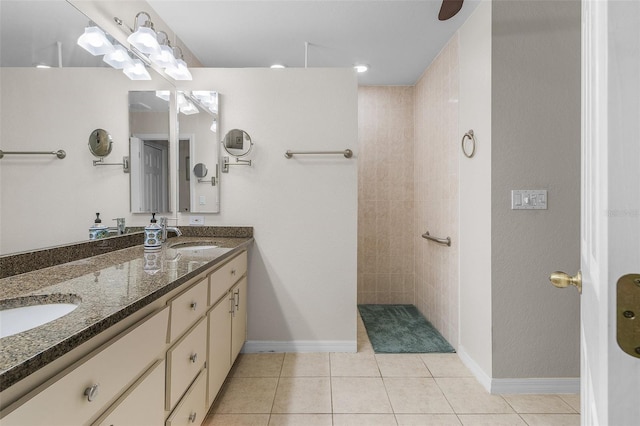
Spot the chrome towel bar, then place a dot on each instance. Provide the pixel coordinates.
(443, 241)
(59, 153)
(347, 153)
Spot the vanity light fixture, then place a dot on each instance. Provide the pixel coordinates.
(164, 57)
(118, 58)
(180, 71)
(144, 38)
(95, 41)
(360, 68)
(214, 126)
(137, 71)
(208, 99)
(185, 106)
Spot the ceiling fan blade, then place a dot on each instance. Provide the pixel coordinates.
(449, 8)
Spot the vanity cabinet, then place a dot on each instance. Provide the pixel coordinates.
(167, 366)
(142, 404)
(227, 321)
(81, 392)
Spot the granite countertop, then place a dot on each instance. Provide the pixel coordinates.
(107, 288)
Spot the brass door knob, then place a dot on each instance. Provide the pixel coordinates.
(562, 280)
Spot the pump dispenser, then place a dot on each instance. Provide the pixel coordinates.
(98, 230)
(153, 235)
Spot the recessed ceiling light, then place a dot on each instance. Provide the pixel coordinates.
(361, 68)
(277, 66)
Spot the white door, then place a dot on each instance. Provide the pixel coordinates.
(610, 246)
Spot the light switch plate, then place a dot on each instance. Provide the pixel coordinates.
(529, 199)
(196, 220)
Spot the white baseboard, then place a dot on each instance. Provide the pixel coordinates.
(547, 385)
(259, 346)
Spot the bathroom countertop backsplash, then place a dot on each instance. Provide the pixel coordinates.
(107, 288)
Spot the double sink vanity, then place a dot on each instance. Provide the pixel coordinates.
(149, 339)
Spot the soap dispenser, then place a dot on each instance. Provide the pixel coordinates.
(153, 235)
(98, 230)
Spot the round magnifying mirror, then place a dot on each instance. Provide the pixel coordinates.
(200, 170)
(237, 143)
(100, 143)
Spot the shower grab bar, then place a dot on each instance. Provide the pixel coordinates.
(443, 241)
(347, 153)
(59, 153)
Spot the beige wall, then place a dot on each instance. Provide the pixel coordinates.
(303, 210)
(436, 191)
(535, 145)
(385, 195)
(475, 192)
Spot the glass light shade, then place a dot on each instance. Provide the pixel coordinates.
(214, 126)
(189, 109)
(94, 41)
(145, 40)
(118, 58)
(180, 72)
(137, 71)
(164, 58)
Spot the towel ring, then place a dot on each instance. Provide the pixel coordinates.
(472, 138)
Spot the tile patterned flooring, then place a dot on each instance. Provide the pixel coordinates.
(339, 389)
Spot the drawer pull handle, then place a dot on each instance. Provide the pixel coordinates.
(91, 392)
(192, 417)
(233, 272)
(194, 358)
(193, 306)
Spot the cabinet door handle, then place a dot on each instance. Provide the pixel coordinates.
(193, 306)
(233, 272)
(231, 307)
(91, 392)
(236, 297)
(194, 358)
(192, 417)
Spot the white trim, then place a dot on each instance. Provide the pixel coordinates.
(258, 346)
(551, 385)
(478, 372)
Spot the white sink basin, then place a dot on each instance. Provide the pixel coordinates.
(195, 248)
(17, 320)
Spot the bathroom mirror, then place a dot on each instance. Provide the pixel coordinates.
(100, 143)
(149, 151)
(237, 143)
(198, 152)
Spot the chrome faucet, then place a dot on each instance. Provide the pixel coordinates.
(166, 229)
(119, 229)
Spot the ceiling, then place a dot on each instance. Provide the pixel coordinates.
(397, 39)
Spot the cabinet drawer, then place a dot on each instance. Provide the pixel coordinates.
(108, 371)
(184, 360)
(187, 308)
(192, 409)
(222, 279)
(141, 404)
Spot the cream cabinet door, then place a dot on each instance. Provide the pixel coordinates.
(142, 404)
(219, 356)
(238, 318)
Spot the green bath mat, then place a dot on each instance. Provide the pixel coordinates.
(396, 329)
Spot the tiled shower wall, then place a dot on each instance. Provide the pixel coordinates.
(385, 195)
(408, 184)
(436, 192)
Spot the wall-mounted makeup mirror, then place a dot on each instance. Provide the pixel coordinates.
(198, 152)
(238, 144)
(149, 151)
(100, 143)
